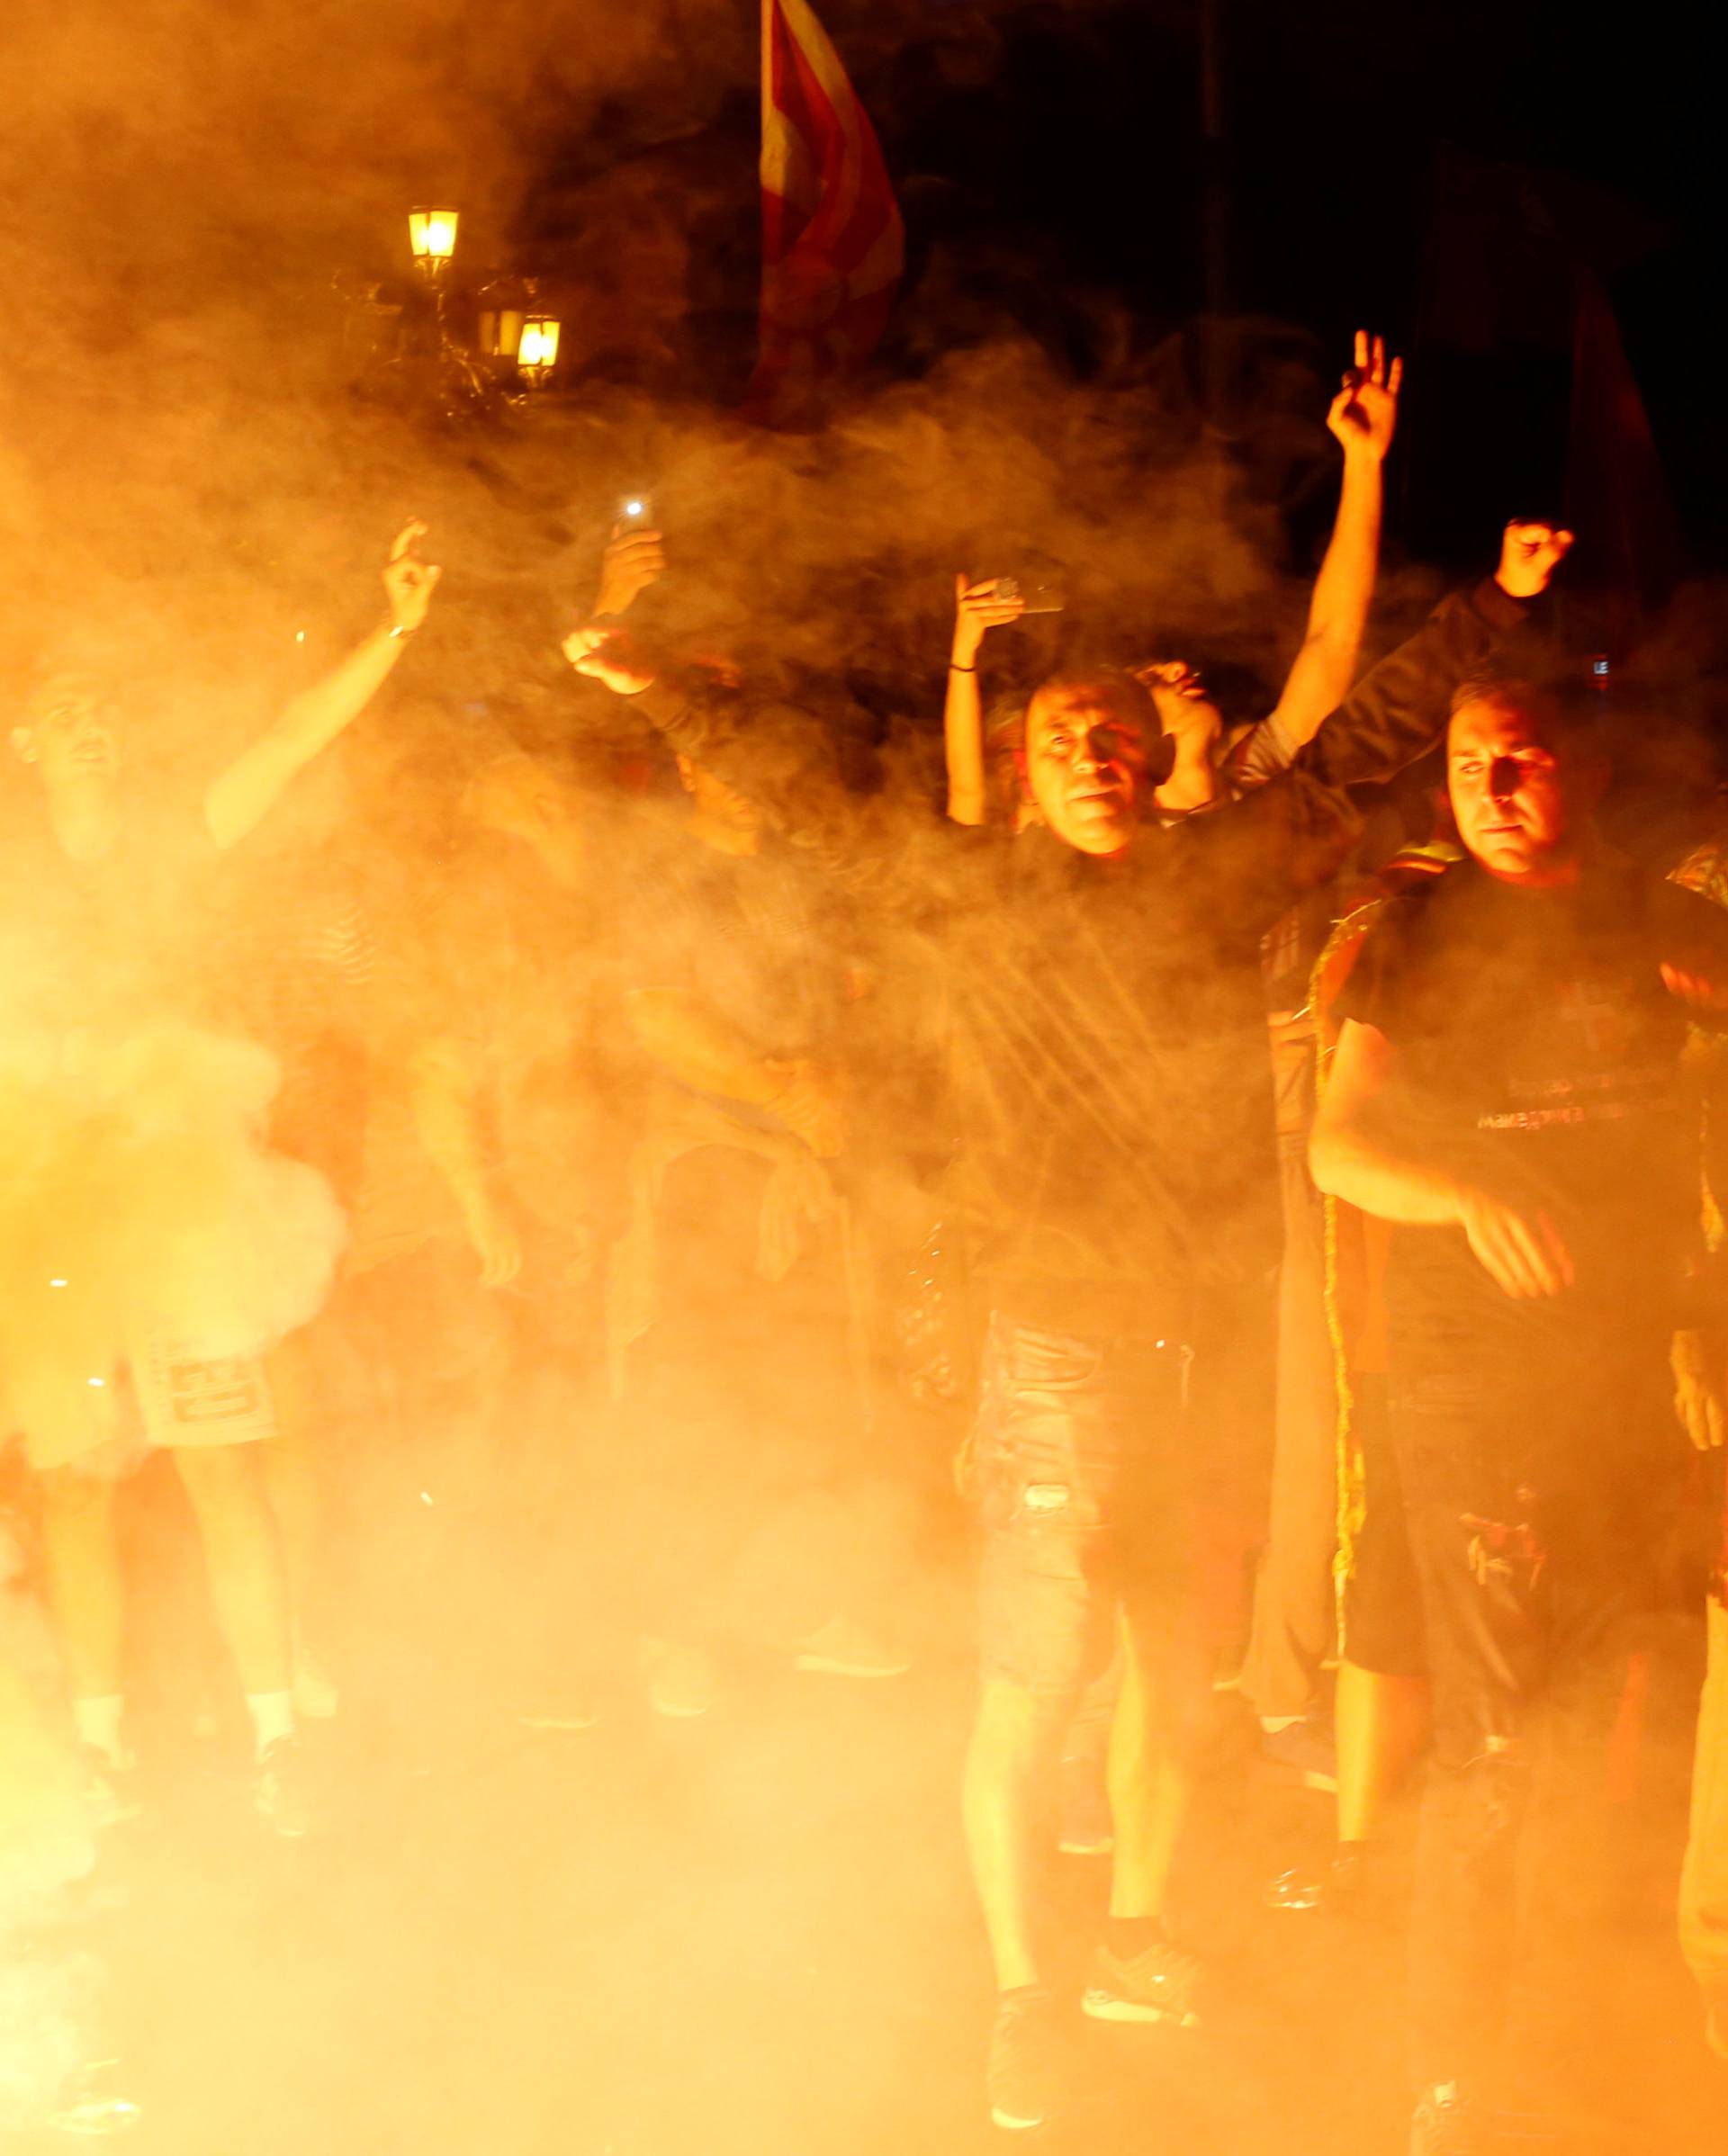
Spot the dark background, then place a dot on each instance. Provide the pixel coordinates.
(1050, 164)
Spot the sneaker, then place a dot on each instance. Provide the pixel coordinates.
(1446, 2124)
(1087, 1828)
(680, 1679)
(842, 1648)
(1160, 1983)
(284, 1792)
(110, 1789)
(573, 1707)
(1305, 1749)
(1027, 2079)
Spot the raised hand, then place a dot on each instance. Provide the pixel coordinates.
(977, 608)
(633, 560)
(1529, 555)
(1363, 415)
(408, 581)
(607, 655)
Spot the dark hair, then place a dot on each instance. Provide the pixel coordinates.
(1076, 674)
(1563, 695)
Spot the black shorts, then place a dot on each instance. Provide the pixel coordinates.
(1084, 1485)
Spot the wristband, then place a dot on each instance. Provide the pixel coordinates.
(960, 670)
(398, 631)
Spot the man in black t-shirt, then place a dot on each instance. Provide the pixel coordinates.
(1507, 1090)
(1112, 1110)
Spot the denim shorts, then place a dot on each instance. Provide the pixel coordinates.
(1084, 1483)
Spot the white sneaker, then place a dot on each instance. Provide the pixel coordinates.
(573, 1707)
(842, 1648)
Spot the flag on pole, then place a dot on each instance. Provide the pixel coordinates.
(832, 242)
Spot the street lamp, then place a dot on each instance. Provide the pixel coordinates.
(536, 351)
(432, 235)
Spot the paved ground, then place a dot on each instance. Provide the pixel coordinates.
(746, 1934)
(750, 1934)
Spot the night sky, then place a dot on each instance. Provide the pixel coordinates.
(1055, 149)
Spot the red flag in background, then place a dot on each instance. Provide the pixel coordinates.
(832, 242)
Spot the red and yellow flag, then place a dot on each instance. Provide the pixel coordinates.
(832, 242)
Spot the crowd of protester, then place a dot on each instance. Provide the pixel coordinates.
(1300, 1221)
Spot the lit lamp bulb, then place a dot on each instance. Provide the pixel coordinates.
(432, 235)
(536, 352)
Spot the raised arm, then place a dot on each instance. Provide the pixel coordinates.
(977, 608)
(444, 1097)
(1364, 418)
(1399, 711)
(695, 1045)
(1355, 1154)
(239, 798)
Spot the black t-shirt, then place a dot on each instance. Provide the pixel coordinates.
(1112, 1068)
(1540, 1057)
(759, 939)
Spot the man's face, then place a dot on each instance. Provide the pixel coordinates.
(1514, 790)
(1085, 763)
(71, 731)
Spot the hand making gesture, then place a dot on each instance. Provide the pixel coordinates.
(408, 581)
(1363, 415)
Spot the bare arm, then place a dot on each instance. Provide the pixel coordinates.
(1353, 1154)
(444, 1094)
(976, 608)
(1364, 416)
(238, 800)
(695, 1046)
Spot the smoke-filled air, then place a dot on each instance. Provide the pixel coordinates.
(863, 958)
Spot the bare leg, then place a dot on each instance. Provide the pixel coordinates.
(1382, 1726)
(291, 1473)
(1149, 1791)
(1009, 1801)
(83, 1576)
(249, 1583)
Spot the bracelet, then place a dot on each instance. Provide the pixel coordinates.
(398, 631)
(960, 670)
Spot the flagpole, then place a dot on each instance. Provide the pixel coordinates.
(1214, 153)
(1214, 208)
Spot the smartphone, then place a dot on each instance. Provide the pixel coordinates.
(1045, 592)
(636, 513)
